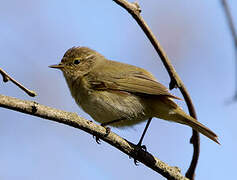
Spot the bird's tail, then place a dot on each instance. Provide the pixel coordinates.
(178, 115)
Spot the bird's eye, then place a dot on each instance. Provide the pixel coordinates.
(76, 61)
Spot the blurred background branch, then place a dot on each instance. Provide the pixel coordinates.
(134, 10)
(234, 36)
(72, 119)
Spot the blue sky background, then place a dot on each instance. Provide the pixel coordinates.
(194, 34)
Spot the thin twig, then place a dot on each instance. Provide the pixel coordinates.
(134, 10)
(234, 36)
(73, 120)
(6, 78)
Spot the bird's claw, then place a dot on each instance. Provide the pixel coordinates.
(107, 131)
(97, 139)
(136, 162)
(137, 150)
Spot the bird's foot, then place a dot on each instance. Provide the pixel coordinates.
(107, 129)
(137, 150)
(97, 139)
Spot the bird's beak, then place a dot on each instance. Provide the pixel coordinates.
(57, 66)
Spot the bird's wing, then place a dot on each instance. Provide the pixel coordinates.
(131, 81)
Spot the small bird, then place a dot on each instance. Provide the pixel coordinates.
(119, 94)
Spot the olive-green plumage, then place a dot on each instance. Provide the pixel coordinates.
(109, 90)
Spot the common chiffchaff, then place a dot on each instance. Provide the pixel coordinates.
(119, 94)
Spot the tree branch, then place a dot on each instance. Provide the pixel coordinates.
(6, 78)
(134, 10)
(72, 119)
(234, 36)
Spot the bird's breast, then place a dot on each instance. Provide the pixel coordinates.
(107, 105)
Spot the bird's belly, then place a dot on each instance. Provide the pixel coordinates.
(107, 106)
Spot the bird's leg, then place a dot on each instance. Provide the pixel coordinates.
(139, 145)
(143, 134)
(108, 123)
(107, 128)
(111, 122)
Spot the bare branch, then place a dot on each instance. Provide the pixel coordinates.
(234, 36)
(6, 78)
(230, 21)
(134, 10)
(72, 119)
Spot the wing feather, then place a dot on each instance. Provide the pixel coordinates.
(138, 81)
